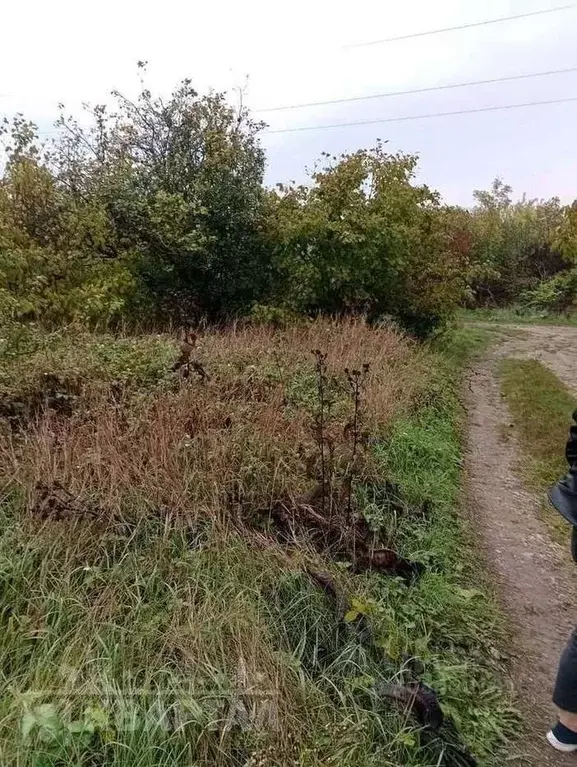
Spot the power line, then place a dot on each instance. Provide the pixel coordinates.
(463, 26)
(423, 117)
(417, 90)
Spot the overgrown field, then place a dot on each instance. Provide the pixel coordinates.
(242, 551)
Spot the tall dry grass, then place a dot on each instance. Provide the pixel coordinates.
(142, 566)
(196, 448)
(133, 556)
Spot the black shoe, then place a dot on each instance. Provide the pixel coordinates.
(562, 738)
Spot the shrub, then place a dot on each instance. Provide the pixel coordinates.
(364, 238)
(557, 294)
(157, 211)
(154, 207)
(513, 245)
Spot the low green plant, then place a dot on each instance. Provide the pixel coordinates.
(516, 315)
(28, 354)
(277, 316)
(541, 408)
(557, 295)
(448, 620)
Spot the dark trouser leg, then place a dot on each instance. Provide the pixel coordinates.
(565, 693)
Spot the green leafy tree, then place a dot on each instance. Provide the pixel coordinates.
(364, 237)
(154, 208)
(513, 244)
(566, 235)
(180, 185)
(46, 270)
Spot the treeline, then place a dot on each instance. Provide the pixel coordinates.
(158, 211)
(520, 253)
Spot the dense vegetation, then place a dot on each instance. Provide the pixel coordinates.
(521, 252)
(242, 558)
(247, 550)
(158, 210)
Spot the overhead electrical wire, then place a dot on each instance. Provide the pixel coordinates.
(403, 118)
(406, 118)
(428, 32)
(416, 90)
(429, 89)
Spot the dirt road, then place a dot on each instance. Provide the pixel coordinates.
(536, 578)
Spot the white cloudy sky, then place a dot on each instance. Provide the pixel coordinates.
(285, 53)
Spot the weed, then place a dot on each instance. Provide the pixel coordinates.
(353, 429)
(324, 445)
(148, 614)
(448, 619)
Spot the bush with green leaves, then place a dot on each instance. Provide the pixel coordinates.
(513, 245)
(558, 294)
(364, 237)
(157, 210)
(155, 207)
(48, 270)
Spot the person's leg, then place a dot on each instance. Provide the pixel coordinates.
(568, 719)
(564, 735)
(565, 693)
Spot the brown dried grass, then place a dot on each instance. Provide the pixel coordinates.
(198, 448)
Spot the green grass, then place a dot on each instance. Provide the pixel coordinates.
(110, 633)
(541, 408)
(458, 348)
(72, 354)
(516, 316)
(461, 626)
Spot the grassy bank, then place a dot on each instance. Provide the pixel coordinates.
(452, 600)
(172, 590)
(516, 316)
(541, 408)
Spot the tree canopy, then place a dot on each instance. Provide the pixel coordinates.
(157, 209)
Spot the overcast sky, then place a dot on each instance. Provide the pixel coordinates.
(288, 53)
